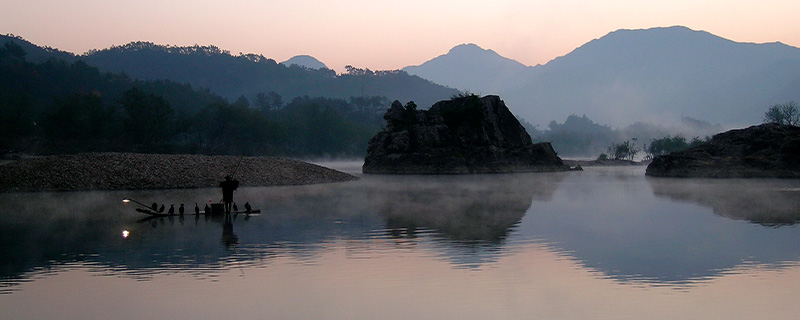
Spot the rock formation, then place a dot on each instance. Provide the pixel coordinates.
(463, 135)
(767, 150)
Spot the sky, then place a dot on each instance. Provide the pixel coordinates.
(383, 34)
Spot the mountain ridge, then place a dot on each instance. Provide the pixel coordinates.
(629, 75)
(448, 69)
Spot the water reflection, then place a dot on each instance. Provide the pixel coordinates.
(768, 202)
(611, 220)
(472, 216)
(465, 209)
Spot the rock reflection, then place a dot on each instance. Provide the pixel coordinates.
(768, 202)
(474, 209)
(40, 230)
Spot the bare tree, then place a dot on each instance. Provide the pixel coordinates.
(786, 113)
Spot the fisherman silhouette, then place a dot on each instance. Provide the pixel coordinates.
(181, 209)
(161, 210)
(228, 186)
(235, 208)
(196, 209)
(247, 207)
(171, 209)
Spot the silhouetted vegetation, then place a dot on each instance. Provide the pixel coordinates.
(248, 75)
(580, 136)
(668, 144)
(786, 113)
(625, 150)
(465, 109)
(67, 107)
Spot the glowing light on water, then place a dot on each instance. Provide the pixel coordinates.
(125, 233)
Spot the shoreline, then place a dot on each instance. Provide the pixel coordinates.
(136, 171)
(605, 163)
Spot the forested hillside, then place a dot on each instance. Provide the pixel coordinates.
(58, 106)
(247, 75)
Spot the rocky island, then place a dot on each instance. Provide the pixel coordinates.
(128, 171)
(763, 151)
(466, 134)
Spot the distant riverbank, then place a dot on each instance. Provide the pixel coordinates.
(604, 163)
(129, 171)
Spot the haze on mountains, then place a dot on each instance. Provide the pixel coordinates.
(658, 75)
(643, 84)
(305, 61)
(247, 75)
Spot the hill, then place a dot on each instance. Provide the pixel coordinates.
(247, 75)
(469, 67)
(36, 53)
(657, 75)
(305, 61)
(71, 107)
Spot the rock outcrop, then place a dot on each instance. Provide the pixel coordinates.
(463, 135)
(767, 150)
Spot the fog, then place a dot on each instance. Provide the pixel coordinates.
(613, 220)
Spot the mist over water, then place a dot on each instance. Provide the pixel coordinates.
(476, 246)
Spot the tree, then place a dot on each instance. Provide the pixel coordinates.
(149, 119)
(79, 123)
(626, 150)
(786, 113)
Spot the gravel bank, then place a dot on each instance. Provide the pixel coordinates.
(127, 171)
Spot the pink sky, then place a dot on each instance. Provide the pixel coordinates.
(382, 34)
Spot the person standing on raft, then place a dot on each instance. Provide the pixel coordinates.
(228, 186)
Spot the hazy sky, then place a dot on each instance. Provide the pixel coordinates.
(382, 34)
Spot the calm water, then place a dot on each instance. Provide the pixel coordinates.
(606, 243)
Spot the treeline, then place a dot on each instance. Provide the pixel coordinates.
(67, 107)
(245, 75)
(579, 136)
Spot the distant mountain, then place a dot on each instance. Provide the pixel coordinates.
(248, 75)
(468, 67)
(36, 53)
(305, 61)
(657, 75)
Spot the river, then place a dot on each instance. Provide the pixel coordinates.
(604, 243)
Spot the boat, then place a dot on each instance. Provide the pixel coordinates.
(216, 209)
(162, 214)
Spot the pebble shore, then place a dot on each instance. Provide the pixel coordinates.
(132, 171)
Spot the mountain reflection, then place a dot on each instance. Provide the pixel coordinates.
(613, 220)
(469, 217)
(768, 202)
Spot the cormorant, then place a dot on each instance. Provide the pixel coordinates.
(171, 209)
(154, 207)
(161, 210)
(247, 207)
(181, 209)
(207, 210)
(196, 209)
